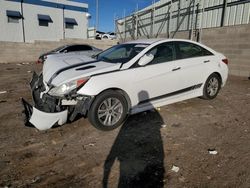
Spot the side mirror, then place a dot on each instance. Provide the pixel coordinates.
(147, 58)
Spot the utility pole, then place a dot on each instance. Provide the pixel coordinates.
(97, 14)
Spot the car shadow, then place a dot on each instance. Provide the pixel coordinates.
(139, 149)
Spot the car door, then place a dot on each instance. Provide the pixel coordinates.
(191, 62)
(158, 77)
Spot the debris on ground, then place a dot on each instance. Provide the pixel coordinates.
(91, 144)
(182, 179)
(37, 179)
(212, 152)
(29, 71)
(3, 92)
(175, 169)
(3, 101)
(163, 125)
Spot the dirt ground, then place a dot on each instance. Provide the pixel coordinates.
(139, 154)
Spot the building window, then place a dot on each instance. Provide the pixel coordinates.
(70, 23)
(69, 26)
(43, 23)
(44, 20)
(13, 16)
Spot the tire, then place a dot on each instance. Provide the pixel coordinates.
(211, 87)
(108, 111)
(105, 37)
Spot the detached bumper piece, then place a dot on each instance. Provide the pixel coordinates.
(44, 115)
(43, 120)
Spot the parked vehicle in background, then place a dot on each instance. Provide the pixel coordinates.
(83, 49)
(109, 36)
(126, 79)
(99, 35)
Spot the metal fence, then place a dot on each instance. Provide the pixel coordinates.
(168, 17)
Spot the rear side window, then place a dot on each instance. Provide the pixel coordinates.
(189, 50)
(78, 48)
(84, 48)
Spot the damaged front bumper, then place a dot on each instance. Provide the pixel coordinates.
(48, 110)
(43, 120)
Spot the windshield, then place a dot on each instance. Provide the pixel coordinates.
(121, 53)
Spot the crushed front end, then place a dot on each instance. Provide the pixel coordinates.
(49, 110)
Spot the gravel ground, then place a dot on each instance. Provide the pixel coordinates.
(168, 147)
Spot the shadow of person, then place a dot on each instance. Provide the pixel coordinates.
(139, 149)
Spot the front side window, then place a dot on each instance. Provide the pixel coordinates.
(163, 53)
(189, 50)
(121, 53)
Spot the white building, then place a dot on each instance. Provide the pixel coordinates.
(50, 20)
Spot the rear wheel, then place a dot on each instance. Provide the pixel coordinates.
(212, 87)
(108, 111)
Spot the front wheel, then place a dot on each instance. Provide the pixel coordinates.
(108, 111)
(212, 87)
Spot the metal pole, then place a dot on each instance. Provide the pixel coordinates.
(124, 15)
(63, 25)
(23, 21)
(201, 20)
(153, 19)
(178, 16)
(192, 22)
(169, 21)
(223, 13)
(114, 21)
(136, 22)
(97, 14)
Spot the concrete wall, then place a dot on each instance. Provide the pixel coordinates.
(14, 52)
(234, 42)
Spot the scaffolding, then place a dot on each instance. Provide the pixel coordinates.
(165, 18)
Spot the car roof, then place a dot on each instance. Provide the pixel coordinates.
(144, 41)
(154, 40)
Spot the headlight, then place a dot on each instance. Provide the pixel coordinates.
(67, 87)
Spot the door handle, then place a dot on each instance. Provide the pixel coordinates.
(207, 61)
(177, 68)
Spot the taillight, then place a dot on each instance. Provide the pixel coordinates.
(225, 61)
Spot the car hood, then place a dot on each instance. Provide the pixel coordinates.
(62, 69)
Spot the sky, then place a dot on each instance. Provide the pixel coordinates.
(108, 9)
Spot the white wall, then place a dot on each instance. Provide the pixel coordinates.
(10, 31)
(13, 32)
(80, 30)
(54, 32)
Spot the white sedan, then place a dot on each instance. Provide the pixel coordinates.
(126, 79)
